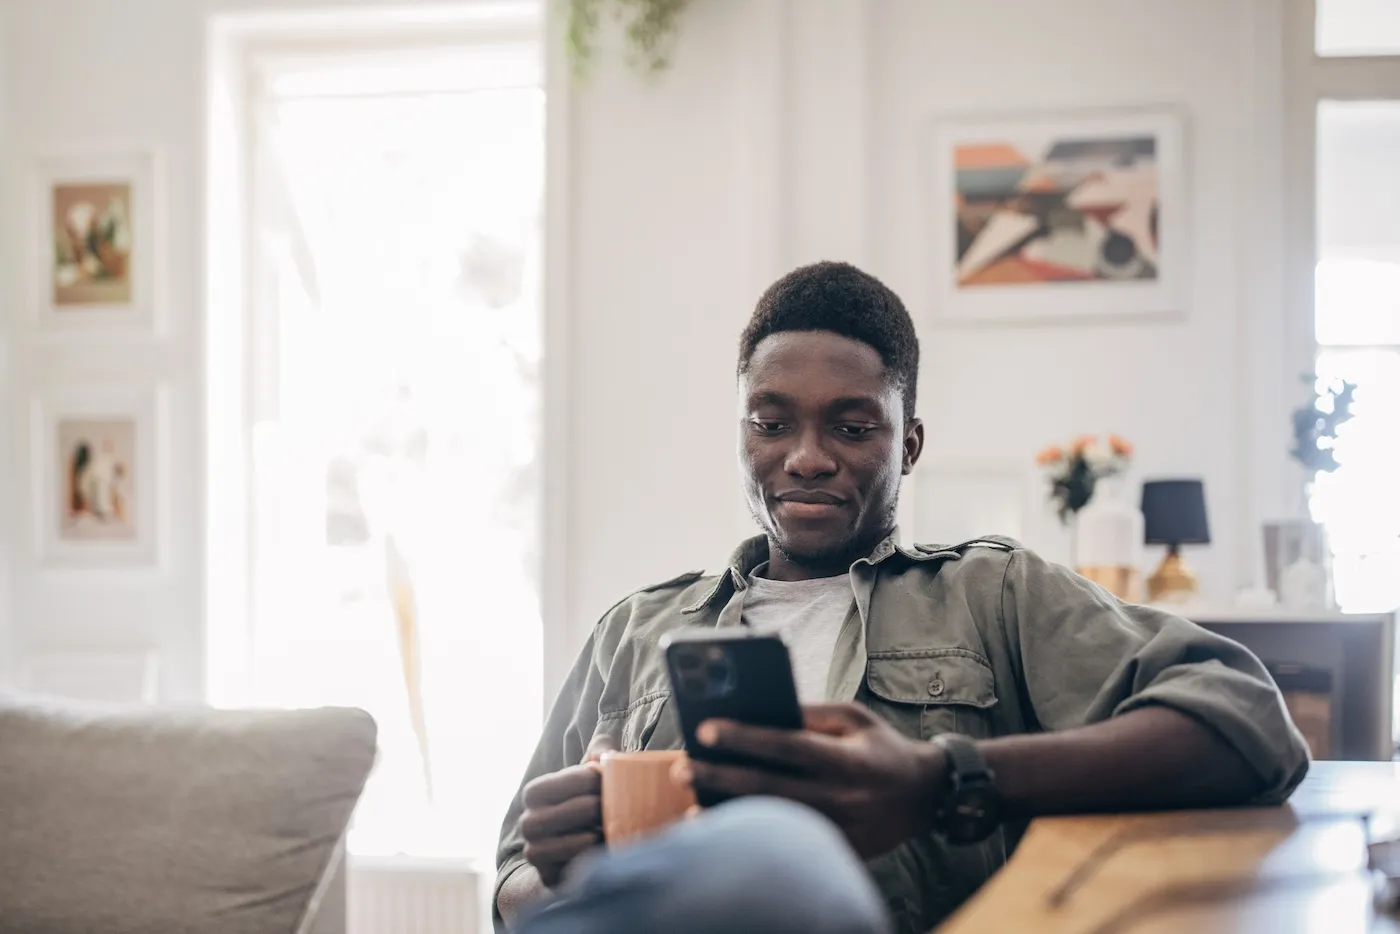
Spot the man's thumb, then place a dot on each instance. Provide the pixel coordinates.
(601, 743)
(835, 719)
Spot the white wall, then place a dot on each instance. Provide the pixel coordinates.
(833, 115)
(788, 131)
(1173, 388)
(77, 75)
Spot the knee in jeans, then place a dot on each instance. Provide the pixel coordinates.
(775, 821)
(769, 811)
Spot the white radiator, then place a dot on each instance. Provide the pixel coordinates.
(409, 895)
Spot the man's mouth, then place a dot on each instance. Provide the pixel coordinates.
(814, 497)
(809, 504)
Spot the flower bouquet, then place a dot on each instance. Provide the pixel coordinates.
(1075, 470)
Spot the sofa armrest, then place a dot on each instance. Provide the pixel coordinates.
(328, 911)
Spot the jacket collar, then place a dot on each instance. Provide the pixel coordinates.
(754, 551)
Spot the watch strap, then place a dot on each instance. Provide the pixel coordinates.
(971, 807)
(964, 760)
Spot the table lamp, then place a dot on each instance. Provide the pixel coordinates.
(1174, 514)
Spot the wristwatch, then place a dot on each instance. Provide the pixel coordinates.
(971, 807)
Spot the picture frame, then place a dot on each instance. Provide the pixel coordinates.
(1059, 217)
(97, 241)
(98, 476)
(1289, 541)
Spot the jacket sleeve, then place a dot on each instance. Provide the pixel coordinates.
(1085, 656)
(567, 732)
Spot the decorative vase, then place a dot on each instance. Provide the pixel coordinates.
(1305, 585)
(1106, 541)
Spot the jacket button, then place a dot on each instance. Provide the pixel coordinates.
(935, 688)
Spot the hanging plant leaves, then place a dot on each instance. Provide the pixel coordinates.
(650, 28)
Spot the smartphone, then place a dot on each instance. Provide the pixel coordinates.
(735, 675)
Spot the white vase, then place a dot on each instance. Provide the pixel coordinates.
(1107, 539)
(1304, 584)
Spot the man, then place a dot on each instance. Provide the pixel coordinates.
(954, 692)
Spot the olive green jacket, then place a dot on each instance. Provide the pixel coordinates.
(983, 638)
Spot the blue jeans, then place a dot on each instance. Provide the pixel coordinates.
(753, 866)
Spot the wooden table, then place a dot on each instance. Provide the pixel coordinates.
(1296, 868)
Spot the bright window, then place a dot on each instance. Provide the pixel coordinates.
(396, 242)
(1360, 501)
(1357, 303)
(1357, 27)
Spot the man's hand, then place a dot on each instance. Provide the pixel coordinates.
(877, 786)
(563, 816)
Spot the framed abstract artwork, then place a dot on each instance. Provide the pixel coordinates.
(97, 476)
(1059, 217)
(96, 237)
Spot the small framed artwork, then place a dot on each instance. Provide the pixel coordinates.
(1058, 217)
(97, 476)
(97, 240)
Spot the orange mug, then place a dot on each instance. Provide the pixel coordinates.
(639, 797)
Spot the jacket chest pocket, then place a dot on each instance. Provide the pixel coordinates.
(925, 692)
(647, 724)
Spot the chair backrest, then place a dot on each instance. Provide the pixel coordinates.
(155, 819)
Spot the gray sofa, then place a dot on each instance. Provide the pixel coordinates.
(150, 820)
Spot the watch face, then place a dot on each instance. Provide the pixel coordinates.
(974, 815)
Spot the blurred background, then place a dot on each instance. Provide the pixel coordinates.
(366, 352)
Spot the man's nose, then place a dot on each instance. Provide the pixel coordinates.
(809, 457)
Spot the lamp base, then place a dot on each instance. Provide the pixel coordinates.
(1123, 583)
(1172, 582)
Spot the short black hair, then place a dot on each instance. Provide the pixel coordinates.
(840, 298)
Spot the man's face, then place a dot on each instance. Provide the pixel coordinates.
(823, 443)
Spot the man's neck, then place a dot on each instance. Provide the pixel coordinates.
(784, 570)
(781, 567)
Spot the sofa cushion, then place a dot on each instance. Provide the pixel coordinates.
(152, 820)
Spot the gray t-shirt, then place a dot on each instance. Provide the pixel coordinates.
(808, 616)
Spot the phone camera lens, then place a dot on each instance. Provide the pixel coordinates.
(719, 677)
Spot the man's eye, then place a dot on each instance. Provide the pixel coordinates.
(767, 426)
(854, 431)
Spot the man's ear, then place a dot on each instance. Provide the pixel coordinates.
(913, 444)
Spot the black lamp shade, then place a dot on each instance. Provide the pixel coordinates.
(1174, 512)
